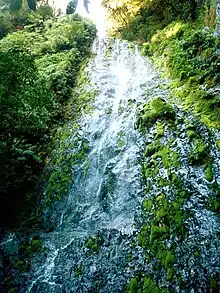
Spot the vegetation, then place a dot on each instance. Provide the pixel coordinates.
(93, 244)
(38, 70)
(158, 108)
(179, 37)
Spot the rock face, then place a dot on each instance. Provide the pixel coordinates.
(142, 203)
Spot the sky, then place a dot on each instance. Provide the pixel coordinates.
(96, 12)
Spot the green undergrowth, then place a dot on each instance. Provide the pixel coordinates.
(39, 67)
(188, 53)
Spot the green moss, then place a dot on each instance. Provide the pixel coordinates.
(191, 134)
(152, 149)
(121, 143)
(218, 144)
(143, 236)
(190, 127)
(157, 109)
(162, 182)
(108, 111)
(169, 259)
(147, 205)
(132, 286)
(209, 173)
(35, 245)
(160, 130)
(7, 280)
(26, 249)
(78, 271)
(94, 244)
(199, 153)
(213, 284)
(65, 155)
(129, 257)
(150, 170)
(161, 213)
(213, 204)
(169, 158)
(170, 274)
(149, 286)
(143, 285)
(158, 233)
(21, 266)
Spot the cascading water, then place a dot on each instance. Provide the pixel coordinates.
(96, 225)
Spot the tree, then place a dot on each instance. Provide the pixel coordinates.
(15, 5)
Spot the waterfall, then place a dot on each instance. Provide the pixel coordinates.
(93, 246)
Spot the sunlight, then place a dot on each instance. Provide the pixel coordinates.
(96, 12)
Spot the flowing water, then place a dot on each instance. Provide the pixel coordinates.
(107, 191)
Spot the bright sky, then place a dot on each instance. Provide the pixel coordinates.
(96, 12)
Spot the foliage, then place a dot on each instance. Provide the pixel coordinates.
(38, 69)
(94, 244)
(179, 37)
(140, 19)
(16, 20)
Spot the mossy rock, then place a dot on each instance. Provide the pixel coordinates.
(94, 244)
(160, 130)
(158, 232)
(157, 109)
(170, 274)
(149, 286)
(147, 205)
(21, 266)
(78, 271)
(200, 153)
(132, 286)
(213, 204)
(191, 134)
(209, 175)
(218, 144)
(169, 158)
